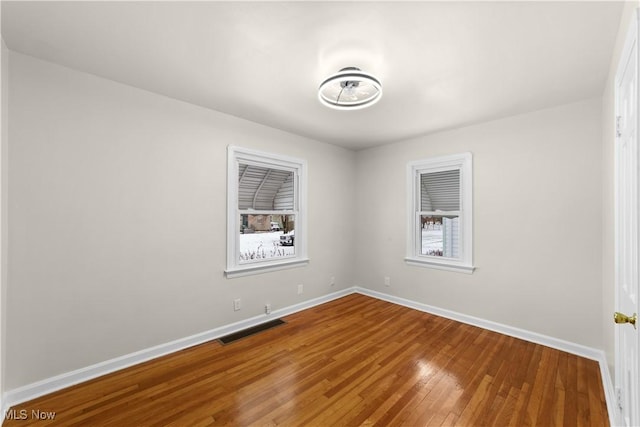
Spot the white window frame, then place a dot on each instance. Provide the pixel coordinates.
(464, 163)
(237, 155)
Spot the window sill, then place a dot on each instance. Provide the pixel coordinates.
(440, 265)
(249, 269)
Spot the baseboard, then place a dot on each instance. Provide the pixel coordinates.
(609, 391)
(49, 385)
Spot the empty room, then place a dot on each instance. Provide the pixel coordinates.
(319, 213)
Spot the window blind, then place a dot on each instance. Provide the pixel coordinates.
(440, 191)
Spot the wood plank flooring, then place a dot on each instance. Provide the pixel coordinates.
(352, 361)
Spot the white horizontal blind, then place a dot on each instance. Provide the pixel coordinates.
(440, 191)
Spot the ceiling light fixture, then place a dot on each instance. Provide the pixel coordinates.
(350, 89)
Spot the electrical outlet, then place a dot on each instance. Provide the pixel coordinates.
(236, 304)
(332, 281)
(387, 281)
(300, 289)
(267, 308)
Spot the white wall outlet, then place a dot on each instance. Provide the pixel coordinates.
(236, 304)
(267, 308)
(387, 281)
(300, 289)
(332, 281)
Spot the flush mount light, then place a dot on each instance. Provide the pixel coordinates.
(350, 89)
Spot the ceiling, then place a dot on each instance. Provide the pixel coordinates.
(442, 64)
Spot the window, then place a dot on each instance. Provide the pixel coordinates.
(440, 213)
(265, 212)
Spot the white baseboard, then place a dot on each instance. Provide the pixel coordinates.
(609, 391)
(49, 385)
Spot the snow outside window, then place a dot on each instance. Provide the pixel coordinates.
(266, 212)
(440, 213)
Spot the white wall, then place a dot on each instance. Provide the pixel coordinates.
(118, 231)
(537, 222)
(608, 138)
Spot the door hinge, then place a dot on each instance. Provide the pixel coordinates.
(619, 397)
(618, 132)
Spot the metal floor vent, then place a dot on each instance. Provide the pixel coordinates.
(227, 339)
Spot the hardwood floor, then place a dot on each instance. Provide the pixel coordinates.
(352, 361)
